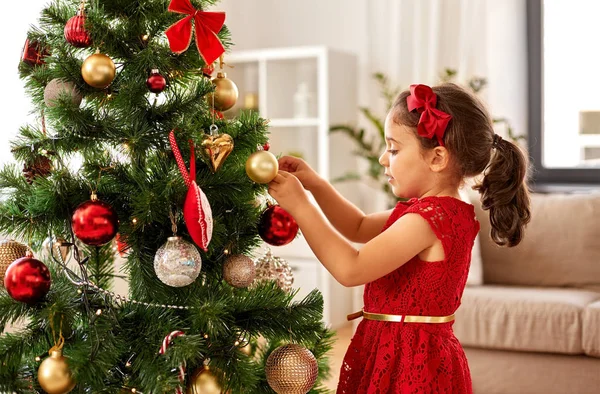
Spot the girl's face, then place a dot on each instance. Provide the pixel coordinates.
(408, 172)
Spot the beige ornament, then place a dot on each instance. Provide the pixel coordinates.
(239, 271)
(57, 88)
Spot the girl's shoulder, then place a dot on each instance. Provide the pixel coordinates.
(443, 212)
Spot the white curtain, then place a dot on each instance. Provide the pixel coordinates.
(413, 41)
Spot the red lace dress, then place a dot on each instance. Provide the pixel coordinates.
(393, 358)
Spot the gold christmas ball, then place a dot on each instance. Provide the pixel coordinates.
(291, 369)
(10, 251)
(204, 382)
(225, 94)
(239, 271)
(262, 166)
(98, 71)
(54, 374)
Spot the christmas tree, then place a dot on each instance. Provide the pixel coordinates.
(130, 154)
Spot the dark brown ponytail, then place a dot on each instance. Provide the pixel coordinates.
(505, 194)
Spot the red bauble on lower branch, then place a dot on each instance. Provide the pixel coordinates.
(95, 222)
(27, 280)
(277, 227)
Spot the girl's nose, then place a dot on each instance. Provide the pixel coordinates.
(383, 159)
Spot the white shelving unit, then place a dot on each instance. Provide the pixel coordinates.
(303, 91)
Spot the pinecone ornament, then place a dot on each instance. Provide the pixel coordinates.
(40, 166)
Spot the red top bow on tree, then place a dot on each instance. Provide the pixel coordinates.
(207, 24)
(432, 121)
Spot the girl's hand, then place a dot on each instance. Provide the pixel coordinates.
(288, 191)
(301, 170)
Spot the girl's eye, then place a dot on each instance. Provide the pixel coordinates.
(392, 151)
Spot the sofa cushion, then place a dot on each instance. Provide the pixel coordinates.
(591, 329)
(523, 318)
(561, 247)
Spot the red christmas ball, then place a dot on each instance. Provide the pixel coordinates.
(277, 227)
(266, 146)
(27, 280)
(95, 222)
(156, 83)
(75, 32)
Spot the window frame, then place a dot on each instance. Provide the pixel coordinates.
(535, 72)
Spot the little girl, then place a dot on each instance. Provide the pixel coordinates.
(416, 257)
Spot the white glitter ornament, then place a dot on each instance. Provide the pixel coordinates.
(273, 268)
(177, 263)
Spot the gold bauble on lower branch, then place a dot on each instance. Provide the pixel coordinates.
(54, 374)
(225, 94)
(10, 251)
(98, 70)
(204, 382)
(291, 369)
(262, 166)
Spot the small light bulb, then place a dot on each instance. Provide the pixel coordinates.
(133, 390)
(128, 364)
(134, 221)
(205, 336)
(79, 291)
(99, 312)
(237, 343)
(145, 37)
(109, 96)
(38, 359)
(226, 251)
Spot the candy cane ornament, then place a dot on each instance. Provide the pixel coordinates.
(165, 345)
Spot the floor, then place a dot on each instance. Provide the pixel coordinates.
(343, 336)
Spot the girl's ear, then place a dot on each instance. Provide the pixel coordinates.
(438, 159)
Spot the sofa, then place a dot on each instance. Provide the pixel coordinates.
(533, 325)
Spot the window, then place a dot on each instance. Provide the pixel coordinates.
(564, 103)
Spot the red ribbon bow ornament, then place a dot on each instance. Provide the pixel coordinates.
(196, 209)
(207, 25)
(432, 122)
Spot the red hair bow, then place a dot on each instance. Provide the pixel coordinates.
(207, 25)
(432, 122)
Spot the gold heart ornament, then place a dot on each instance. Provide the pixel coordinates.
(216, 148)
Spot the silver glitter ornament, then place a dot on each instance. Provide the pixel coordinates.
(177, 263)
(274, 268)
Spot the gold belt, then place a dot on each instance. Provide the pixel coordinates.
(400, 318)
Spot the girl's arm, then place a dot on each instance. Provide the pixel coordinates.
(348, 219)
(406, 238)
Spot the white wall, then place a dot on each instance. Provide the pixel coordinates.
(491, 44)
